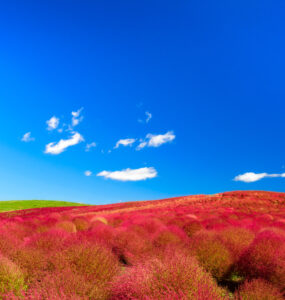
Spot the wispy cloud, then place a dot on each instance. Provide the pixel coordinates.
(252, 177)
(62, 145)
(130, 174)
(27, 137)
(87, 173)
(153, 140)
(124, 142)
(147, 118)
(52, 123)
(76, 117)
(90, 146)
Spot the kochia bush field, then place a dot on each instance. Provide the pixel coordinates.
(223, 246)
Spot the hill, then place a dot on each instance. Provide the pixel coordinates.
(224, 246)
(26, 204)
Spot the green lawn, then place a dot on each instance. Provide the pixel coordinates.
(24, 204)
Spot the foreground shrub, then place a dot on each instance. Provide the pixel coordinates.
(265, 258)
(88, 269)
(130, 247)
(32, 262)
(11, 277)
(175, 276)
(258, 289)
(236, 239)
(211, 253)
(67, 285)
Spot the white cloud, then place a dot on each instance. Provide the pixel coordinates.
(130, 174)
(252, 177)
(153, 140)
(52, 123)
(124, 142)
(27, 137)
(89, 146)
(148, 116)
(57, 148)
(141, 145)
(76, 117)
(87, 173)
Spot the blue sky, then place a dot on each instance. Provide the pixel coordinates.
(191, 92)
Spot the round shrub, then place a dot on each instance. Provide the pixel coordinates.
(81, 224)
(67, 226)
(66, 285)
(101, 232)
(265, 258)
(175, 276)
(33, 263)
(11, 277)
(211, 253)
(130, 247)
(52, 240)
(95, 263)
(236, 239)
(164, 238)
(98, 219)
(258, 289)
(191, 227)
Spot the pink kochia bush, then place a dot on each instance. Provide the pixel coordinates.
(93, 265)
(11, 277)
(130, 247)
(265, 258)
(236, 240)
(175, 276)
(258, 289)
(211, 253)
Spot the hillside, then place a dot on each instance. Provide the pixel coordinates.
(223, 246)
(26, 204)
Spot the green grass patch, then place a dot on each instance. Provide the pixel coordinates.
(25, 204)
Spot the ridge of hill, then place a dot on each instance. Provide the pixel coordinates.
(243, 201)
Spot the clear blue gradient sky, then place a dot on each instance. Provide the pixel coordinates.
(211, 73)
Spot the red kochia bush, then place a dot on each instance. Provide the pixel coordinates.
(11, 277)
(191, 227)
(67, 226)
(33, 262)
(236, 239)
(8, 243)
(131, 247)
(66, 285)
(211, 253)
(258, 289)
(52, 240)
(265, 258)
(90, 263)
(175, 276)
(81, 223)
(165, 237)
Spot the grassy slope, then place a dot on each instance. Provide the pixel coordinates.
(25, 204)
